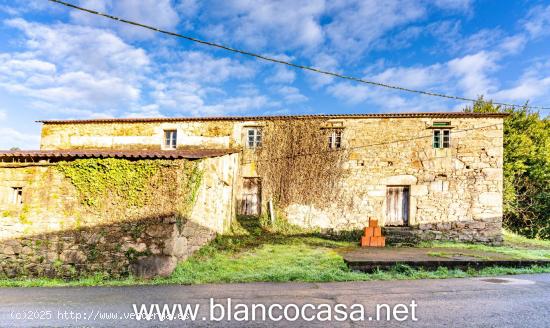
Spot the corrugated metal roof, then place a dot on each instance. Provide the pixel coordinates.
(280, 117)
(134, 154)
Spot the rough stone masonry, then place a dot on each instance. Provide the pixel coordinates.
(438, 175)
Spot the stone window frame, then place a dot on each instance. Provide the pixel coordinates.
(441, 138)
(16, 196)
(441, 135)
(170, 142)
(253, 137)
(335, 138)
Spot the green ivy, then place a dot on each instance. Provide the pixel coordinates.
(97, 178)
(125, 183)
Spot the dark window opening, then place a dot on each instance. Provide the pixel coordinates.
(170, 139)
(442, 138)
(17, 195)
(254, 138)
(335, 139)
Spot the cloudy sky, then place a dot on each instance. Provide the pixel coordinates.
(59, 63)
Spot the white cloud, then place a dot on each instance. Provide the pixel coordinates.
(81, 48)
(281, 75)
(3, 115)
(411, 77)
(356, 25)
(464, 5)
(157, 13)
(472, 71)
(201, 67)
(532, 85)
(529, 88)
(467, 76)
(10, 137)
(287, 24)
(324, 62)
(537, 21)
(291, 94)
(74, 68)
(513, 44)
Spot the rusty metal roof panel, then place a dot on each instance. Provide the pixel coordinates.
(280, 117)
(138, 154)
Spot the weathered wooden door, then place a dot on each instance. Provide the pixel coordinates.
(251, 197)
(397, 206)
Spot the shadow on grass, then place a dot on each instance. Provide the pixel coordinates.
(250, 232)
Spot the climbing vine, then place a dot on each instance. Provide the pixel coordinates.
(118, 185)
(296, 164)
(95, 178)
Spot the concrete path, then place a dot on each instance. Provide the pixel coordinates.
(511, 301)
(369, 259)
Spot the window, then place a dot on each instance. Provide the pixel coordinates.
(254, 138)
(335, 139)
(16, 195)
(170, 139)
(442, 138)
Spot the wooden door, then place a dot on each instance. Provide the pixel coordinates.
(397, 206)
(251, 197)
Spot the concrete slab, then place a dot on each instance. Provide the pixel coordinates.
(369, 259)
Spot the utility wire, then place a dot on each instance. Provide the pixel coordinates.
(287, 63)
(326, 151)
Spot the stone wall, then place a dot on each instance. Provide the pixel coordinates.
(455, 191)
(53, 234)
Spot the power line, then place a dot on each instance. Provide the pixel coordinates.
(326, 151)
(291, 64)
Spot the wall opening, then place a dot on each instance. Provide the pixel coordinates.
(397, 205)
(251, 197)
(16, 197)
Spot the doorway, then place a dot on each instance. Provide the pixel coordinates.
(397, 205)
(251, 197)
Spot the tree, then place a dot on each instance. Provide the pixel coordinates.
(526, 169)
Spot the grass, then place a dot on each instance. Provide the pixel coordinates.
(515, 247)
(256, 252)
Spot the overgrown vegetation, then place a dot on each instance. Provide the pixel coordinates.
(257, 251)
(526, 169)
(296, 163)
(96, 178)
(114, 186)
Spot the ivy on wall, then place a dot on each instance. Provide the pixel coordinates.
(119, 184)
(94, 178)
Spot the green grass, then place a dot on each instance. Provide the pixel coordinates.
(516, 247)
(257, 252)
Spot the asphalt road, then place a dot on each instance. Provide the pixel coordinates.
(511, 301)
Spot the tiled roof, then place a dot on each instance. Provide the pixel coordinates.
(137, 154)
(280, 117)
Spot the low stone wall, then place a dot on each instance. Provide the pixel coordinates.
(487, 232)
(115, 250)
(53, 234)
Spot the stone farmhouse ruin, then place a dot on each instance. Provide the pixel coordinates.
(139, 194)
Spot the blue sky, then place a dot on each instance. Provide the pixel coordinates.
(59, 63)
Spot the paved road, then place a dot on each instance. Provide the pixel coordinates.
(511, 301)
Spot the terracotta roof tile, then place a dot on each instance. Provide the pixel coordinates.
(145, 154)
(281, 117)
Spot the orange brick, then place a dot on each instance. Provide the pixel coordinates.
(383, 242)
(377, 232)
(369, 232)
(365, 241)
(373, 223)
(377, 242)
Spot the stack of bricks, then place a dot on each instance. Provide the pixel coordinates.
(373, 235)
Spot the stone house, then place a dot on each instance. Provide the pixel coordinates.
(432, 175)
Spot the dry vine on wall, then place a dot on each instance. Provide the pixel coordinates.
(296, 164)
